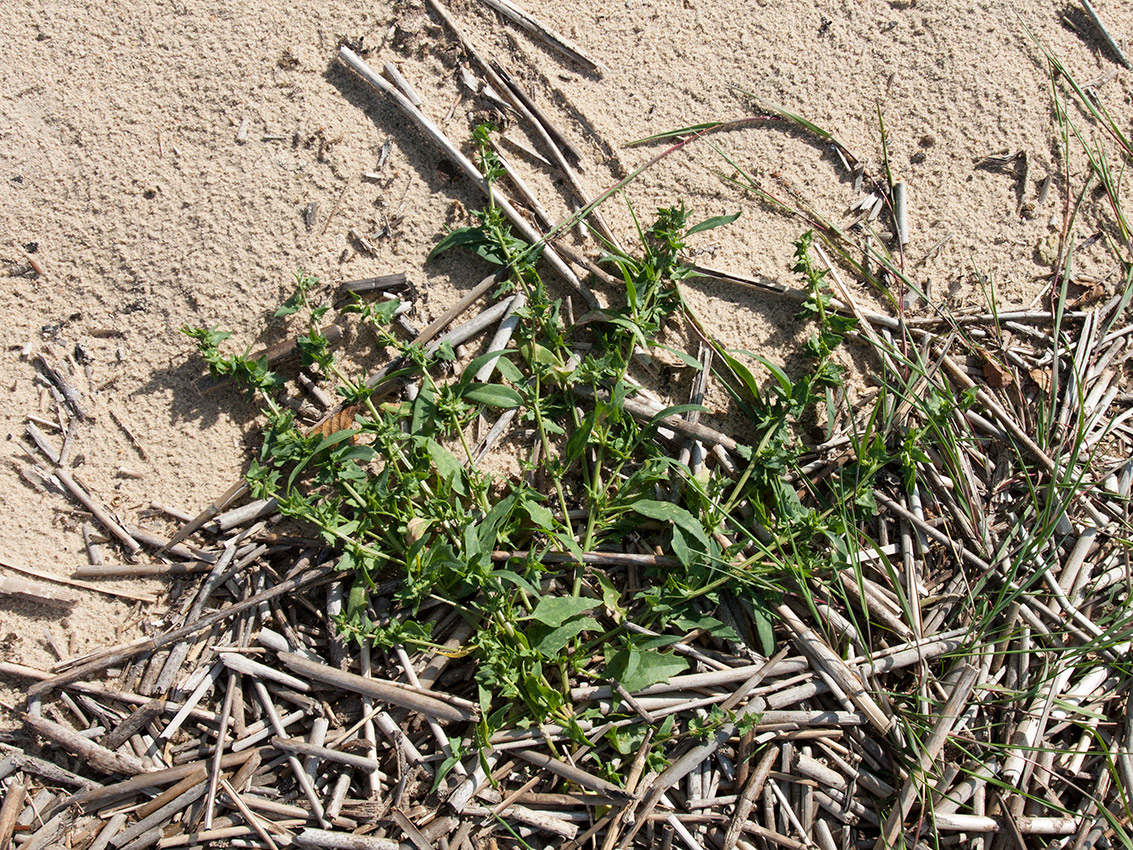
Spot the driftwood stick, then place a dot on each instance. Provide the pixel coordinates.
(215, 507)
(473, 327)
(42, 443)
(438, 137)
(112, 827)
(38, 592)
(72, 395)
(369, 733)
(242, 664)
(613, 559)
(10, 810)
(526, 194)
(393, 694)
(97, 797)
(913, 786)
(300, 747)
(138, 720)
(171, 793)
(248, 814)
(243, 515)
(556, 136)
(502, 336)
(81, 585)
(832, 664)
(17, 759)
(159, 816)
(366, 285)
(1026, 825)
(149, 538)
(311, 837)
(573, 774)
(748, 796)
(139, 570)
(98, 756)
(646, 413)
(232, 686)
(108, 522)
(103, 660)
(293, 761)
(556, 40)
(48, 834)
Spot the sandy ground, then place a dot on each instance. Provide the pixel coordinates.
(126, 181)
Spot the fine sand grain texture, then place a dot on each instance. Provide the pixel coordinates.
(174, 163)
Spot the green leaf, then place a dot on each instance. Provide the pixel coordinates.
(291, 305)
(509, 370)
(579, 438)
(424, 419)
(551, 642)
(687, 622)
(493, 395)
(556, 610)
(488, 530)
(470, 236)
(740, 371)
(764, 629)
(668, 512)
(636, 669)
(685, 553)
(635, 331)
(679, 410)
(683, 356)
(780, 376)
(326, 442)
(448, 467)
(469, 374)
(710, 223)
(516, 579)
(611, 598)
(539, 514)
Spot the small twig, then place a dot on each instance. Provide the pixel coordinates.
(949, 714)
(33, 591)
(105, 658)
(503, 335)
(393, 694)
(100, 513)
(10, 810)
(17, 759)
(134, 441)
(1109, 39)
(557, 136)
(554, 39)
(73, 397)
(573, 774)
(311, 837)
(81, 585)
(398, 79)
(103, 759)
(248, 814)
(438, 137)
(296, 766)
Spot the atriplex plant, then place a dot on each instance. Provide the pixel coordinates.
(399, 493)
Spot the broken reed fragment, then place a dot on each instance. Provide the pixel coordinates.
(520, 223)
(396, 695)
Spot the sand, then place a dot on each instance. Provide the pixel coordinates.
(157, 160)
